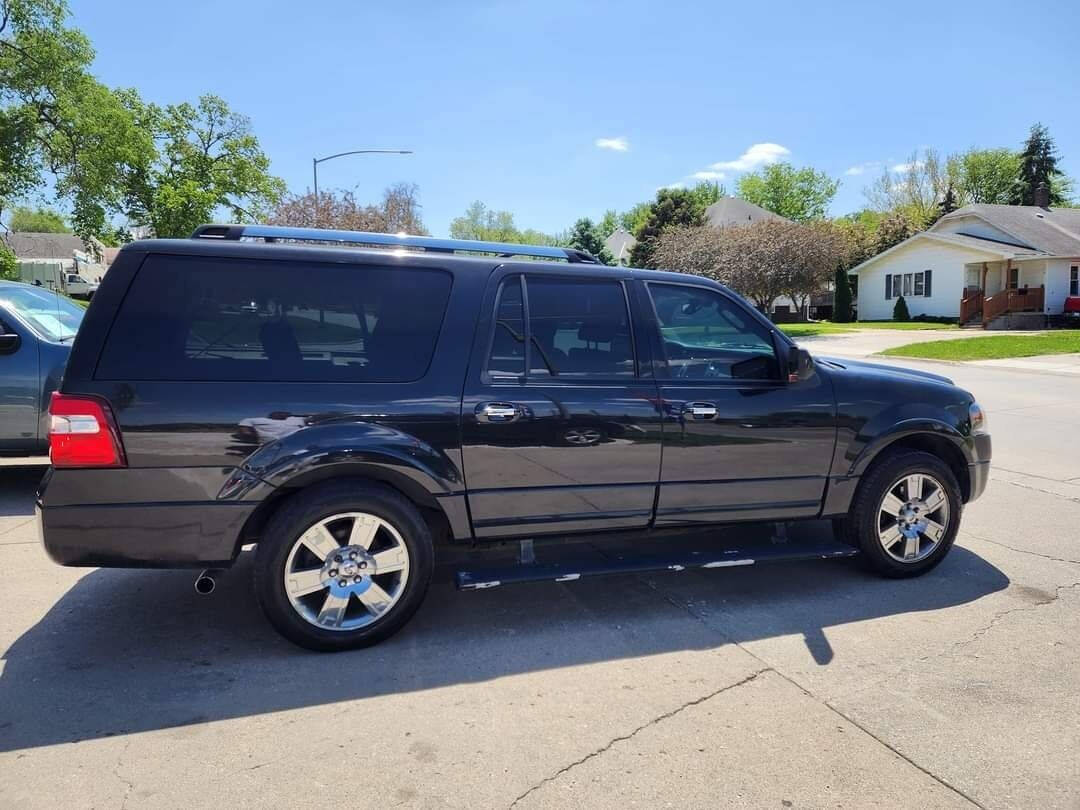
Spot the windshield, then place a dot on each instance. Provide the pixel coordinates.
(54, 316)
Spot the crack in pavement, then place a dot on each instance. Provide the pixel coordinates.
(624, 737)
(1040, 489)
(769, 667)
(129, 785)
(982, 631)
(1019, 550)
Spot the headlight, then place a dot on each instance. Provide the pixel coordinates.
(978, 419)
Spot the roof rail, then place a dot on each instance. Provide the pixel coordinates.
(272, 233)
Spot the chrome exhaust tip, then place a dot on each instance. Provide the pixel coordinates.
(205, 584)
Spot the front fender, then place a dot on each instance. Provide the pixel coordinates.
(883, 431)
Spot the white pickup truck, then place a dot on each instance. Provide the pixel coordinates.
(53, 276)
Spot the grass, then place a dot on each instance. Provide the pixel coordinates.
(797, 330)
(1064, 341)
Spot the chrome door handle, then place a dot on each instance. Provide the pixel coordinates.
(497, 413)
(700, 410)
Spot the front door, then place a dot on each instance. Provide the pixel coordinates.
(20, 388)
(560, 425)
(740, 442)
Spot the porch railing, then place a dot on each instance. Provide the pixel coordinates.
(970, 305)
(1029, 299)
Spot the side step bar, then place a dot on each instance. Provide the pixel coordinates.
(600, 560)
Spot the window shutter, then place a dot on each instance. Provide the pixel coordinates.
(926, 283)
(888, 286)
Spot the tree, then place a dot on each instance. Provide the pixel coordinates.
(673, 207)
(56, 118)
(894, 229)
(761, 261)
(485, 224)
(706, 193)
(634, 220)
(398, 212)
(608, 223)
(948, 203)
(39, 220)
(796, 194)
(914, 188)
(985, 175)
(586, 236)
(9, 266)
(900, 310)
(1038, 164)
(841, 296)
(208, 159)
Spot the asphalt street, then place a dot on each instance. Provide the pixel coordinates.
(791, 685)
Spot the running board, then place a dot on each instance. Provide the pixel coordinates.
(599, 560)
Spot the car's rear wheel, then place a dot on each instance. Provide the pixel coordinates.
(343, 565)
(905, 515)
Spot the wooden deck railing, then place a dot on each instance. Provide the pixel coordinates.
(1029, 299)
(970, 305)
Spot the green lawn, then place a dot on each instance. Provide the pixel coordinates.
(993, 347)
(797, 330)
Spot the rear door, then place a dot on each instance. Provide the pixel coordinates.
(740, 442)
(560, 425)
(20, 386)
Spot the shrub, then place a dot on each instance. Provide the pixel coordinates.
(900, 310)
(841, 297)
(9, 267)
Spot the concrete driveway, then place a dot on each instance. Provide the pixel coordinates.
(799, 685)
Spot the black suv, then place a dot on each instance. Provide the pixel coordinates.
(351, 409)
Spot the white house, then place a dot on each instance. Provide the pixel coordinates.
(980, 263)
(619, 244)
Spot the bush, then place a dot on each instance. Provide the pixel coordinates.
(9, 266)
(934, 319)
(841, 297)
(900, 310)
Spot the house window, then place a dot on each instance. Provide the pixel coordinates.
(918, 290)
(1074, 280)
(853, 285)
(896, 291)
(907, 283)
(1014, 277)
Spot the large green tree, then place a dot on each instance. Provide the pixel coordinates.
(37, 220)
(841, 296)
(57, 120)
(1038, 165)
(801, 195)
(482, 223)
(584, 235)
(208, 159)
(672, 208)
(984, 175)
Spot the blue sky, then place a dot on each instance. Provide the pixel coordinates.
(505, 101)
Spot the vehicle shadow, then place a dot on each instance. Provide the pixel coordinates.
(17, 486)
(127, 651)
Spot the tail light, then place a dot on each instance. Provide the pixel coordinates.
(83, 433)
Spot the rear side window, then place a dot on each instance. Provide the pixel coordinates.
(578, 328)
(186, 318)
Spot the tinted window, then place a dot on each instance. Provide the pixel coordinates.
(706, 335)
(50, 314)
(192, 319)
(579, 328)
(507, 358)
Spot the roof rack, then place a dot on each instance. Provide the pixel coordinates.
(273, 233)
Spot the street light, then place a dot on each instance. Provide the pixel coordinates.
(316, 161)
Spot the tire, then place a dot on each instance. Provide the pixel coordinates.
(926, 524)
(330, 603)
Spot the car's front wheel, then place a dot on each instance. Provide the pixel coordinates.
(343, 565)
(905, 515)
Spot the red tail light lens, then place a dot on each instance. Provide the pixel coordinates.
(83, 433)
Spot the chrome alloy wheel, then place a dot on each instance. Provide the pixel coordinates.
(913, 517)
(582, 436)
(353, 554)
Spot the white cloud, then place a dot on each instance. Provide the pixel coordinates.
(709, 175)
(677, 184)
(760, 154)
(620, 144)
(901, 168)
(862, 168)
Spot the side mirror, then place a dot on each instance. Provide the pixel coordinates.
(800, 364)
(9, 343)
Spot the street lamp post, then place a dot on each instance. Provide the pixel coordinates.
(316, 161)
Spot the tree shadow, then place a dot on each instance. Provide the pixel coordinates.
(128, 651)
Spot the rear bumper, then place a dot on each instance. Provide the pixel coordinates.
(165, 535)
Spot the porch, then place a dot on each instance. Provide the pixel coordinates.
(996, 289)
